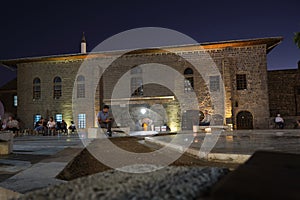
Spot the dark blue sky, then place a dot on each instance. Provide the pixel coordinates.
(36, 28)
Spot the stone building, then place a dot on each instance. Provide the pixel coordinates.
(284, 94)
(69, 86)
(8, 99)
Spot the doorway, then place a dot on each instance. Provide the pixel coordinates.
(244, 120)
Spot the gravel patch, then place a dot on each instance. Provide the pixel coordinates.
(168, 183)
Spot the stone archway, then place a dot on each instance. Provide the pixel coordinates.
(244, 120)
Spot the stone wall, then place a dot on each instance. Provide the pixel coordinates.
(46, 106)
(7, 93)
(249, 60)
(284, 95)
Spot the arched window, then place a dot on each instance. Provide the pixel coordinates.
(57, 87)
(80, 86)
(189, 80)
(188, 71)
(136, 83)
(36, 88)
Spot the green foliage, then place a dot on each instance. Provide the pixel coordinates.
(297, 39)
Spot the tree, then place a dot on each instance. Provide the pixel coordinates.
(297, 39)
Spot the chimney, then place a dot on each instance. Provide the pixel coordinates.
(83, 44)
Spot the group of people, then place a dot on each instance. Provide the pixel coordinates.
(10, 124)
(51, 127)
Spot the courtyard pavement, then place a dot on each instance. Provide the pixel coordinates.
(36, 160)
(232, 146)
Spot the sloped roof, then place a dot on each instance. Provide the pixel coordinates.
(270, 43)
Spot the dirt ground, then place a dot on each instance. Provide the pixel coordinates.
(85, 164)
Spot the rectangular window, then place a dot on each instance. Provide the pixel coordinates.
(58, 117)
(81, 121)
(37, 92)
(15, 100)
(214, 83)
(188, 84)
(241, 82)
(80, 90)
(36, 118)
(57, 92)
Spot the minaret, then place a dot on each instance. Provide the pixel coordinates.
(83, 44)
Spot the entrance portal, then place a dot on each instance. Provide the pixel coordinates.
(244, 120)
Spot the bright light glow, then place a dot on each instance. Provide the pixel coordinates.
(207, 130)
(143, 111)
(230, 127)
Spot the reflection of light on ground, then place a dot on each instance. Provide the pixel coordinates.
(196, 140)
(229, 138)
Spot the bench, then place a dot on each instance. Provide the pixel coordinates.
(197, 128)
(95, 132)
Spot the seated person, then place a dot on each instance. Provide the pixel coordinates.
(58, 126)
(104, 121)
(12, 124)
(206, 120)
(298, 124)
(72, 127)
(63, 126)
(39, 125)
(279, 121)
(51, 125)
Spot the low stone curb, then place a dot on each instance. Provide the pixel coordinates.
(215, 157)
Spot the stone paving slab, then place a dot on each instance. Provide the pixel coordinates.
(231, 146)
(168, 183)
(40, 175)
(215, 157)
(12, 166)
(45, 145)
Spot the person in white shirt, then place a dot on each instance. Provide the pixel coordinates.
(51, 126)
(279, 121)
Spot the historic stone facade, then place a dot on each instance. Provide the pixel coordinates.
(284, 94)
(8, 99)
(46, 84)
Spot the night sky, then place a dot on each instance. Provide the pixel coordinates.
(38, 28)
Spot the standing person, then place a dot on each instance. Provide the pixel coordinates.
(279, 121)
(206, 120)
(51, 126)
(104, 121)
